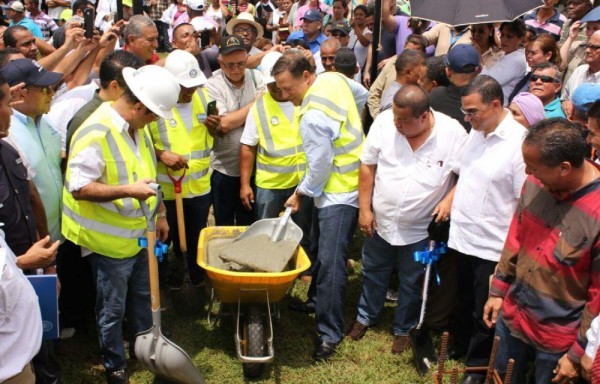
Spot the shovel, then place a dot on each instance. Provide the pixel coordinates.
(423, 352)
(188, 299)
(280, 228)
(152, 349)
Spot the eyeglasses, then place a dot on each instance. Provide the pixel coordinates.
(241, 31)
(470, 113)
(241, 64)
(591, 46)
(544, 78)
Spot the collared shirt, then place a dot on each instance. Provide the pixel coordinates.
(20, 317)
(548, 273)
(39, 143)
(313, 45)
(491, 57)
(46, 24)
(31, 25)
(554, 109)
(225, 156)
(409, 184)
(388, 96)
(580, 75)
(553, 25)
(155, 11)
(575, 57)
(65, 107)
(491, 172)
(80, 116)
(508, 71)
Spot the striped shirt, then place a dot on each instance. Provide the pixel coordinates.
(552, 26)
(549, 272)
(46, 24)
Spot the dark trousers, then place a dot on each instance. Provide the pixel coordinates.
(227, 205)
(45, 364)
(78, 294)
(195, 216)
(442, 298)
(470, 332)
(163, 36)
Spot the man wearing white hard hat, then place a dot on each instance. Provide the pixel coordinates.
(183, 145)
(110, 165)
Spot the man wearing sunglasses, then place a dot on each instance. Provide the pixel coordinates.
(545, 83)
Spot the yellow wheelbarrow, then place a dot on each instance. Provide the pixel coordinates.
(251, 291)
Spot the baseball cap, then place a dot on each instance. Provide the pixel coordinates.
(312, 15)
(584, 95)
(344, 59)
(231, 43)
(593, 15)
(463, 58)
(341, 26)
(15, 6)
(29, 72)
(195, 5)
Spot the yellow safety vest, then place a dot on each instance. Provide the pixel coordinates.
(195, 145)
(109, 228)
(331, 94)
(280, 158)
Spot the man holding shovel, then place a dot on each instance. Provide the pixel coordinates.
(110, 165)
(405, 176)
(183, 146)
(332, 137)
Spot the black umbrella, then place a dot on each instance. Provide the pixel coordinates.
(464, 12)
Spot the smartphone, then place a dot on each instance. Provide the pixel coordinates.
(212, 108)
(205, 38)
(88, 23)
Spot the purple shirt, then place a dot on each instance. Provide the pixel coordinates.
(402, 33)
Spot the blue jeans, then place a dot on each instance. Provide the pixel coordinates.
(379, 258)
(269, 203)
(227, 205)
(195, 214)
(122, 288)
(524, 355)
(335, 228)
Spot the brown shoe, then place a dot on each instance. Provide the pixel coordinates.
(401, 344)
(357, 331)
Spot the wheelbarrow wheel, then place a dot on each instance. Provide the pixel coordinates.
(254, 341)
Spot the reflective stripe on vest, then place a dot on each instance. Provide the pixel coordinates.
(331, 94)
(109, 228)
(195, 145)
(280, 159)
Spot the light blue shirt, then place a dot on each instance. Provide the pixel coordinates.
(314, 45)
(40, 145)
(35, 29)
(554, 109)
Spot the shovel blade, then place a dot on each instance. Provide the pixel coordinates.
(165, 359)
(424, 355)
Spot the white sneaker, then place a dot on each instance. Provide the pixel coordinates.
(67, 333)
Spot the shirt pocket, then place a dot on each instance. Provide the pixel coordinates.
(431, 176)
(572, 244)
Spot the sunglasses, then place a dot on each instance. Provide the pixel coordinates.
(338, 34)
(545, 79)
(591, 46)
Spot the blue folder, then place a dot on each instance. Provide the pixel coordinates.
(45, 288)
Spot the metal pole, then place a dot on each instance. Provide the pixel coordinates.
(375, 43)
(119, 10)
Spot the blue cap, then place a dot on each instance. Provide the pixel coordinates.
(463, 58)
(593, 15)
(584, 95)
(312, 15)
(29, 72)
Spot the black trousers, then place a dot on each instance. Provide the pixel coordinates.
(471, 335)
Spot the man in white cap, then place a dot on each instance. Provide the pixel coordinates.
(183, 145)
(110, 165)
(15, 11)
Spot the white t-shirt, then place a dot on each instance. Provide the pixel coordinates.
(409, 184)
(492, 173)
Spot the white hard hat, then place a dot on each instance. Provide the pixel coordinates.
(184, 66)
(201, 23)
(155, 87)
(266, 65)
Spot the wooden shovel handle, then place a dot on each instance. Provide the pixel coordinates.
(153, 269)
(180, 222)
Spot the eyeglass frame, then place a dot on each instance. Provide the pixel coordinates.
(240, 31)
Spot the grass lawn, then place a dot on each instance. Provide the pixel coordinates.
(212, 348)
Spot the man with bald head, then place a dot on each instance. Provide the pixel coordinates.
(324, 58)
(404, 179)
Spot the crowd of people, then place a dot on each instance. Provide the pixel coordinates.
(258, 106)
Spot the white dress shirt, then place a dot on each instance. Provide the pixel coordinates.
(580, 75)
(409, 184)
(20, 317)
(492, 173)
(592, 338)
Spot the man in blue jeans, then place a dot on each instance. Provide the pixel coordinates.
(405, 178)
(332, 137)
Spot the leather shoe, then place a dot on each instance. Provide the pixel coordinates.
(117, 377)
(324, 351)
(357, 331)
(472, 379)
(304, 307)
(401, 344)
